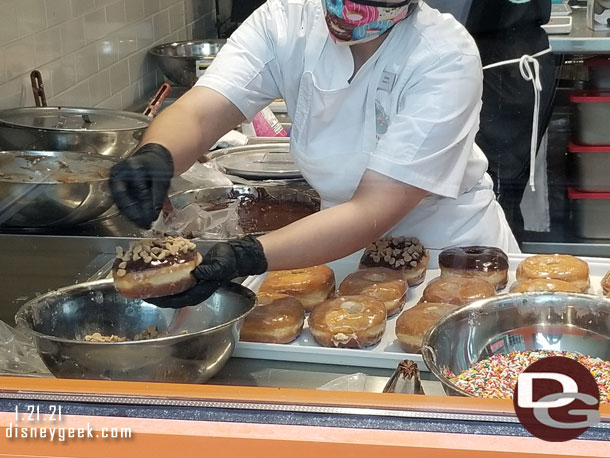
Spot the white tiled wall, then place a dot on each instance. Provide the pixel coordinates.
(92, 52)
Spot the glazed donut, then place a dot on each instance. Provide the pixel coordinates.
(555, 266)
(606, 284)
(404, 254)
(310, 286)
(485, 262)
(384, 284)
(412, 324)
(278, 318)
(348, 321)
(457, 290)
(155, 268)
(544, 284)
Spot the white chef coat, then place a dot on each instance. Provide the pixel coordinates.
(410, 113)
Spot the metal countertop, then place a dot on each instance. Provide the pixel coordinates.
(582, 40)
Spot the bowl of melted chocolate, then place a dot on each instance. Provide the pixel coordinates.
(260, 209)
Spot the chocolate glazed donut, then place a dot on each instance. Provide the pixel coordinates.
(490, 263)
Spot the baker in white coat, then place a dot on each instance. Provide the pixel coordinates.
(385, 100)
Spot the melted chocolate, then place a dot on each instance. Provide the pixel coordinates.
(140, 265)
(479, 258)
(266, 213)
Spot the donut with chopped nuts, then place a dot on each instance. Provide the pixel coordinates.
(155, 268)
(406, 255)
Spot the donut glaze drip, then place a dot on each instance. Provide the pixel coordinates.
(479, 258)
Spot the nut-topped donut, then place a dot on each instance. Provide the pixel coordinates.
(155, 268)
(485, 262)
(457, 290)
(555, 266)
(310, 286)
(384, 284)
(348, 321)
(406, 255)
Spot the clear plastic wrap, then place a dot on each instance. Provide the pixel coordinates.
(18, 355)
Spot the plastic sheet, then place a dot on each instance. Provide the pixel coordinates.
(18, 355)
(193, 221)
(351, 382)
(206, 175)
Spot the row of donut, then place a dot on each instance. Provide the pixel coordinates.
(387, 268)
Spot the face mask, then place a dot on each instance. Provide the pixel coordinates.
(359, 21)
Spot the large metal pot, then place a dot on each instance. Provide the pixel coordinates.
(53, 188)
(182, 62)
(106, 132)
(59, 321)
(516, 322)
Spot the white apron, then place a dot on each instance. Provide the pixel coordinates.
(334, 130)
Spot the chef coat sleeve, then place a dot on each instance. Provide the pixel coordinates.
(430, 137)
(246, 70)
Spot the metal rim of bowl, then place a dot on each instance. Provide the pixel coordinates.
(83, 110)
(156, 50)
(428, 353)
(20, 321)
(48, 154)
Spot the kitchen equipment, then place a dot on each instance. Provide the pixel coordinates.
(96, 130)
(388, 353)
(257, 162)
(590, 213)
(590, 165)
(40, 98)
(261, 209)
(183, 62)
(592, 117)
(599, 71)
(52, 188)
(58, 322)
(517, 322)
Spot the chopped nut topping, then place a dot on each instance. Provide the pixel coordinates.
(121, 272)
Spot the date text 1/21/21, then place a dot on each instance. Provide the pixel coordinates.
(32, 413)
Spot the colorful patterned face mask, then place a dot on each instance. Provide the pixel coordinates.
(358, 21)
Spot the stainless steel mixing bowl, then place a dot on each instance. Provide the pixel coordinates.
(58, 322)
(107, 132)
(179, 60)
(515, 322)
(53, 188)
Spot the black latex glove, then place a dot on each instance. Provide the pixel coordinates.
(224, 262)
(139, 184)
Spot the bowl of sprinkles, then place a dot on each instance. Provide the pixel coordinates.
(480, 350)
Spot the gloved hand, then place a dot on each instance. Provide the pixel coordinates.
(224, 262)
(139, 184)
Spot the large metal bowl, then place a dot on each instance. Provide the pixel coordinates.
(52, 188)
(218, 196)
(58, 322)
(179, 61)
(96, 130)
(516, 322)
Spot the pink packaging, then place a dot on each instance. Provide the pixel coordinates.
(266, 124)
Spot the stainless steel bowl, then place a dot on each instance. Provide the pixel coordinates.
(58, 322)
(223, 195)
(515, 322)
(96, 130)
(179, 61)
(52, 188)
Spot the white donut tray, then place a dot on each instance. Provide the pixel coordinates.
(387, 353)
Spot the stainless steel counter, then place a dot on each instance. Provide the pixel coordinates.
(582, 40)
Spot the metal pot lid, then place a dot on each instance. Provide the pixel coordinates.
(73, 119)
(266, 161)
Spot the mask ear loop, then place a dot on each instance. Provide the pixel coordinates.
(530, 71)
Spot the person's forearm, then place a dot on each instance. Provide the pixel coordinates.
(339, 231)
(191, 125)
